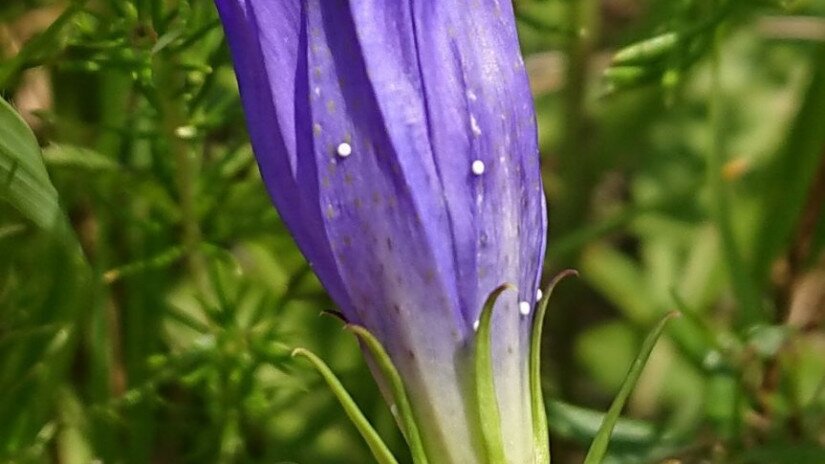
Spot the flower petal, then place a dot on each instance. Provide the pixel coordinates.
(382, 216)
(265, 39)
(464, 63)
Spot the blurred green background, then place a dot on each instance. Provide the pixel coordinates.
(150, 297)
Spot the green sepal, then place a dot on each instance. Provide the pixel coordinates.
(409, 428)
(379, 450)
(598, 449)
(485, 390)
(541, 439)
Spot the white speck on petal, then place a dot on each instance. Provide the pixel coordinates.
(317, 90)
(471, 95)
(539, 294)
(344, 149)
(524, 307)
(476, 324)
(474, 126)
(478, 167)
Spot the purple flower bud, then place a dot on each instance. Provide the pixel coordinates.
(398, 142)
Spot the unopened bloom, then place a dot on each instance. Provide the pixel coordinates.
(397, 139)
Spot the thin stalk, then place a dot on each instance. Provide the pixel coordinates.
(743, 287)
(576, 165)
(186, 166)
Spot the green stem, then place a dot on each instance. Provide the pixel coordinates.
(186, 165)
(743, 287)
(574, 168)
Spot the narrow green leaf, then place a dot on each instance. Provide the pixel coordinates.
(161, 260)
(799, 156)
(647, 50)
(485, 390)
(379, 450)
(24, 182)
(581, 425)
(621, 280)
(540, 434)
(73, 156)
(399, 393)
(598, 449)
(632, 441)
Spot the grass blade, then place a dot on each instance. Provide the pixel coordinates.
(598, 449)
(24, 182)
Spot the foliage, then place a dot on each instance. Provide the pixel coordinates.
(150, 298)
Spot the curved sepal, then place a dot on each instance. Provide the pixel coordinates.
(379, 450)
(485, 391)
(540, 432)
(408, 425)
(598, 449)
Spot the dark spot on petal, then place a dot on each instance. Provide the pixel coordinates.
(389, 244)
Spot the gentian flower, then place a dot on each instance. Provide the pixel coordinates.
(397, 140)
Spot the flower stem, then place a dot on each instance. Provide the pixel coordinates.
(743, 287)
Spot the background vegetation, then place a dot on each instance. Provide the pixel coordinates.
(149, 295)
